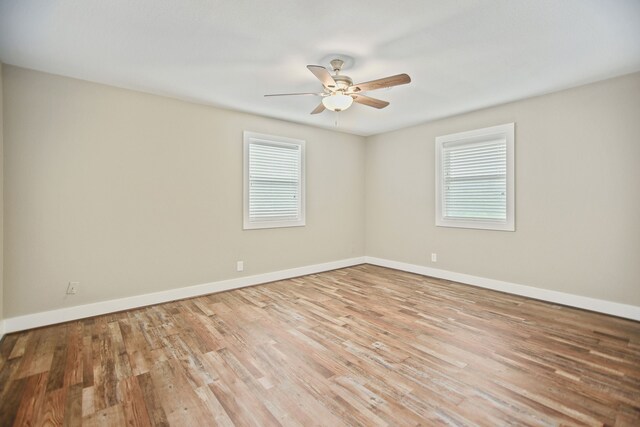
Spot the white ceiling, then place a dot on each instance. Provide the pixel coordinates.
(461, 54)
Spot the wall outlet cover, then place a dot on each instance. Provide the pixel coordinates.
(72, 289)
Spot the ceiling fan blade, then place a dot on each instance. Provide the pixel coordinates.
(371, 102)
(301, 93)
(323, 75)
(398, 79)
(319, 109)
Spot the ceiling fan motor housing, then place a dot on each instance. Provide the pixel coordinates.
(343, 82)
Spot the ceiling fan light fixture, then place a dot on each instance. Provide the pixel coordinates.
(337, 101)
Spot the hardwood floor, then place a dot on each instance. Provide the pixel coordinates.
(359, 346)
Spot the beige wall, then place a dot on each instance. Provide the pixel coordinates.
(577, 199)
(1, 202)
(130, 193)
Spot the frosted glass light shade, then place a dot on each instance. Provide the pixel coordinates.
(337, 102)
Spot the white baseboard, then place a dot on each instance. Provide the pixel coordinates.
(593, 304)
(20, 323)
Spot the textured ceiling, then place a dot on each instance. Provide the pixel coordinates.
(462, 55)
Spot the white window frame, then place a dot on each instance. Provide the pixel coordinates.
(506, 131)
(260, 138)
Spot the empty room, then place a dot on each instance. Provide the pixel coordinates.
(293, 213)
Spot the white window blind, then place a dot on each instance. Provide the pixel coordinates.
(273, 181)
(474, 179)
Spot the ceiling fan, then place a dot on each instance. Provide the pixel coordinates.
(340, 92)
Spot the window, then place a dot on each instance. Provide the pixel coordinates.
(273, 181)
(474, 179)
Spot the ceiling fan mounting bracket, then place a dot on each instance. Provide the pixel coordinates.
(337, 64)
(347, 61)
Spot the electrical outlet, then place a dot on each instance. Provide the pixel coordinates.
(434, 257)
(240, 266)
(72, 289)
